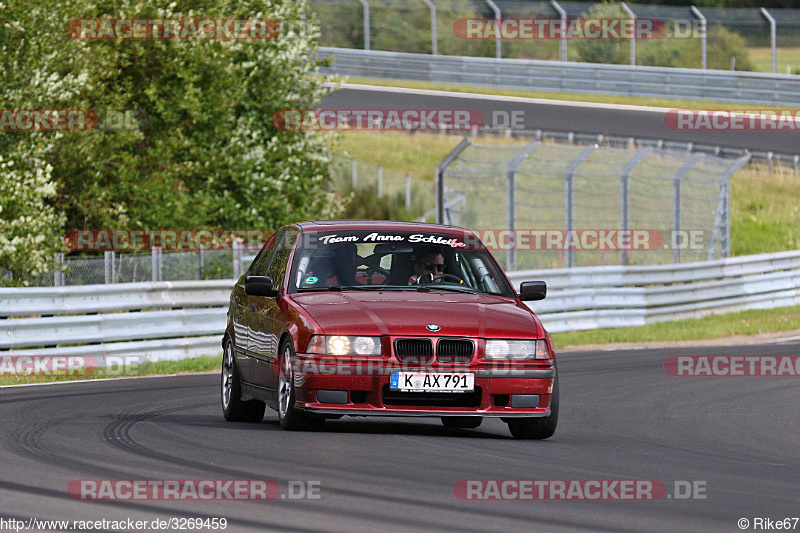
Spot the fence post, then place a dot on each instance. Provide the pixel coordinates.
(772, 39)
(625, 218)
(722, 221)
(632, 15)
(434, 34)
(676, 204)
(380, 181)
(354, 174)
(562, 51)
(237, 259)
(511, 202)
(366, 25)
(155, 262)
(511, 221)
(569, 195)
(703, 35)
(201, 262)
(109, 266)
(440, 170)
(58, 273)
(497, 41)
(408, 192)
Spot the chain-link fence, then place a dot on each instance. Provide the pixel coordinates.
(427, 26)
(407, 197)
(153, 265)
(547, 205)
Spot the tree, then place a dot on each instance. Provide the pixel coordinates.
(204, 151)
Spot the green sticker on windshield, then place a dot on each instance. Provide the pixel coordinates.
(310, 280)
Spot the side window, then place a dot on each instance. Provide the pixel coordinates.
(277, 268)
(261, 261)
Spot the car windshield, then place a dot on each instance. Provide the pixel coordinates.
(395, 260)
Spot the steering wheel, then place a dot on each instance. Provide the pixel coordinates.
(430, 278)
(373, 269)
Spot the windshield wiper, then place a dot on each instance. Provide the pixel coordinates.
(418, 288)
(450, 288)
(356, 288)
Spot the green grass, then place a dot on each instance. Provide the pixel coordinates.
(711, 327)
(761, 57)
(183, 366)
(765, 213)
(672, 103)
(417, 154)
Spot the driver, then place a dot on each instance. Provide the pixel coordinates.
(430, 264)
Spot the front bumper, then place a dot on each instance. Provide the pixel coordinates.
(361, 388)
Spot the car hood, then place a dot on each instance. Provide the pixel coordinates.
(409, 313)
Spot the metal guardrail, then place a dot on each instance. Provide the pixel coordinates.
(83, 299)
(149, 321)
(187, 324)
(111, 327)
(696, 20)
(618, 296)
(783, 161)
(626, 80)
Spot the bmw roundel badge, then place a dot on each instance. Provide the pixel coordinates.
(433, 327)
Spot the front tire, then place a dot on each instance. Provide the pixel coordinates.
(233, 408)
(289, 416)
(537, 428)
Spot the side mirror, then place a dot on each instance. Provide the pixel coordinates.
(532, 290)
(259, 286)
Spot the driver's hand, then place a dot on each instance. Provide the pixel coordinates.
(425, 279)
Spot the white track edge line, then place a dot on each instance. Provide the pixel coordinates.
(107, 379)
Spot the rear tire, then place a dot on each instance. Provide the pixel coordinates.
(463, 422)
(537, 428)
(289, 416)
(233, 408)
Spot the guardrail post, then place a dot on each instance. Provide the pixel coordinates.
(772, 38)
(632, 15)
(354, 174)
(440, 170)
(497, 16)
(511, 186)
(625, 217)
(380, 181)
(562, 50)
(367, 43)
(569, 195)
(434, 31)
(109, 266)
(155, 263)
(703, 35)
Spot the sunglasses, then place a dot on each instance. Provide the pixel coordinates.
(431, 266)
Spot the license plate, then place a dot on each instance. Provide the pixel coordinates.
(431, 382)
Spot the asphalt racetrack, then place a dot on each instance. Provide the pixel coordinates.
(622, 417)
(564, 116)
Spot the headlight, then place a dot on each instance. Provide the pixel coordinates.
(344, 345)
(516, 350)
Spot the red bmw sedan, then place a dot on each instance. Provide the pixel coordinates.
(374, 318)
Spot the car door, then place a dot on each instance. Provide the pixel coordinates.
(247, 355)
(271, 329)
